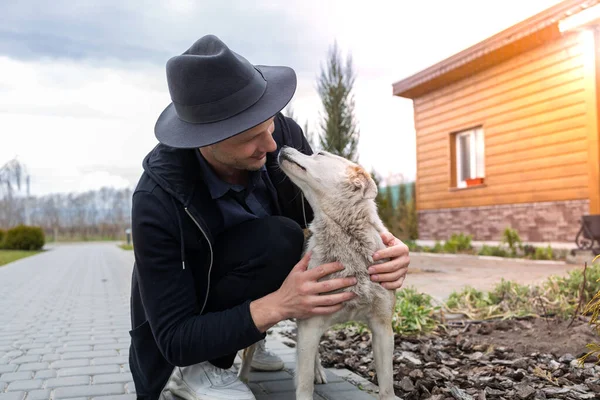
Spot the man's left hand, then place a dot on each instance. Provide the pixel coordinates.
(390, 274)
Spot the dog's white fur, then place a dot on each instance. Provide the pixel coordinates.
(346, 228)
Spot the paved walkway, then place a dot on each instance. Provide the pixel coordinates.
(441, 274)
(64, 322)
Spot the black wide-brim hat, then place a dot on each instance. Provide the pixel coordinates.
(217, 94)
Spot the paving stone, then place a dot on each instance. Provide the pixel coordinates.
(51, 357)
(29, 346)
(110, 360)
(45, 374)
(110, 346)
(90, 354)
(40, 351)
(282, 396)
(26, 359)
(43, 394)
(278, 386)
(69, 381)
(71, 349)
(8, 368)
(12, 396)
(117, 397)
(89, 390)
(268, 376)
(13, 354)
(343, 390)
(130, 387)
(15, 376)
(33, 366)
(70, 363)
(113, 378)
(25, 385)
(89, 342)
(95, 370)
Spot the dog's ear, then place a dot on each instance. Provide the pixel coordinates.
(362, 181)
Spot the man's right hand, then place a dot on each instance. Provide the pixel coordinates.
(301, 295)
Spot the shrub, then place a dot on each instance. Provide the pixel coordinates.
(495, 251)
(458, 243)
(593, 308)
(24, 237)
(511, 238)
(414, 312)
(556, 296)
(2, 236)
(543, 253)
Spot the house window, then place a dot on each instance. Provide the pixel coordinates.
(469, 157)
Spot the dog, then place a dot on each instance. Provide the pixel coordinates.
(345, 228)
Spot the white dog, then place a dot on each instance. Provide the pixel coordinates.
(346, 228)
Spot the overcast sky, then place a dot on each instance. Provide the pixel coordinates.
(83, 82)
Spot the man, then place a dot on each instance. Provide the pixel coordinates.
(217, 229)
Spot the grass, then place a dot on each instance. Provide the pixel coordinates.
(556, 296)
(8, 256)
(414, 314)
(126, 246)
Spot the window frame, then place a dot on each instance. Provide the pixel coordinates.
(476, 157)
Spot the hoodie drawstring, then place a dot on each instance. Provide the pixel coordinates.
(180, 233)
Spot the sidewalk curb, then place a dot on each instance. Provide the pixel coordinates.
(491, 258)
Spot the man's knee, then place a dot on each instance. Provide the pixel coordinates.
(285, 242)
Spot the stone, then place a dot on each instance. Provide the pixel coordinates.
(460, 394)
(406, 384)
(567, 358)
(524, 391)
(521, 363)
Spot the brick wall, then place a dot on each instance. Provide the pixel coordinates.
(535, 222)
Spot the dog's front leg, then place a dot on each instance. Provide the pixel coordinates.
(383, 349)
(247, 356)
(309, 335)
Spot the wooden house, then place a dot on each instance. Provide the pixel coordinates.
(507, 130)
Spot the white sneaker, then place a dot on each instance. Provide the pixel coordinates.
(204, 381)
(264, 360)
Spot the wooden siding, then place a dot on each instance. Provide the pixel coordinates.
(534, 110)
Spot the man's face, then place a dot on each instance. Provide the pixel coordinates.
(247, 150)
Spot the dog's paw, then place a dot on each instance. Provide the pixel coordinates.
(320, 376)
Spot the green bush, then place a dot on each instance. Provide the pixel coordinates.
(2, 236)
(543, 253)
(495, 251)
(511, 238)
(458, 242)
(24, 237)
(414, 312)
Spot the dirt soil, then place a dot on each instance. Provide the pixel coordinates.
(523, 359)
(533, 335)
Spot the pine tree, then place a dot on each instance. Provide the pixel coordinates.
(310, 137)
(339, 128)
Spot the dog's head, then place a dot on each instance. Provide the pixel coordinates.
(324, 175)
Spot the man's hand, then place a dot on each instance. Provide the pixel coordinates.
(301, 295)
(390, 274)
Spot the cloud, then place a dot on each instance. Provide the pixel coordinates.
(83, 82)
(123, 31)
